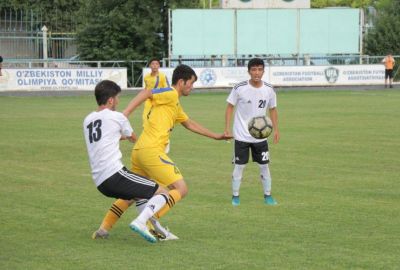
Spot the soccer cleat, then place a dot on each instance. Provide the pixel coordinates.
(235, 200)
(269, 200)
(170, 236)
(163, 234)
(149, 225)
(143, 231)
(100, 234)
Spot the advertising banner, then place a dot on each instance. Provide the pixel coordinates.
(214, 77)
(60, 78)
(327, 75)
(289, 75)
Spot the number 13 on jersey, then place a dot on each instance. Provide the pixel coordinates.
(94, 129)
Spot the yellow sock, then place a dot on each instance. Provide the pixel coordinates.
(115, 212)
(174, 197)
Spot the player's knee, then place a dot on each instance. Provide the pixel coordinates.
(184, 192)
(181, 187)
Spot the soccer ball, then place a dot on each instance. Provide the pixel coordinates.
(260, 127)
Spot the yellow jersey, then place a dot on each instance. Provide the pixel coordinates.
(151, 82)
(158, 81)
(165, 111)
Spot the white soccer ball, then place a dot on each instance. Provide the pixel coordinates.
(260, 127)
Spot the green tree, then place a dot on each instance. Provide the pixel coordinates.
(384, 37)
(340, 3)
(125, 29)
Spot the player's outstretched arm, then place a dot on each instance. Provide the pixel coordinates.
(228, 118)
(132, 138)
(136, 101)
(199, 129)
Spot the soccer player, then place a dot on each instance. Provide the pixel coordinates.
(251, 98)
(154, 79)
(148, 155)
(389, 62)
(103, 130)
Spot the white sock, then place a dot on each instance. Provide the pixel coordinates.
(237, 178)
(141, 204)
(265, 178)
(152, 207)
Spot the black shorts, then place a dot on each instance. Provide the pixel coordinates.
(388, 73)
(259, 152)
(126, 185)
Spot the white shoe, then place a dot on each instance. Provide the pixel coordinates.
(163, 234)
(143, 231)
(170, 236)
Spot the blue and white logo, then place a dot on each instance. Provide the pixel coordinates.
(208, 77)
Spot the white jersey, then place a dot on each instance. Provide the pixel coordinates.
(250, 102)
(103, 132)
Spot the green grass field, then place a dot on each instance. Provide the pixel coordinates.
(335, 175)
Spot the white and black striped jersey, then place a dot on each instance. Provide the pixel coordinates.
(103, 131)
(250, 102)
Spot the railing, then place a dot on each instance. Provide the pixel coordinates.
(21, 35)
(275, 60)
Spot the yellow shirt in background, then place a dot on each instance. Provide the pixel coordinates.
(164, 112)
(151, 82)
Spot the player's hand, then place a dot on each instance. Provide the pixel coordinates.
(277, 136)
(132, 138)
(223, 136)
(228, 133)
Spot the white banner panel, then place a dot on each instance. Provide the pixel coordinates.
(289, 75)
(265, 3)
(60, 78)
(213, 77)
(327, 75)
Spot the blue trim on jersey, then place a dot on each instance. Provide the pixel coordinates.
(161, 90)
(166, 161)
(157, 81)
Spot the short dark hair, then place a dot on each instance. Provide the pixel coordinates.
(183, 72)
(255, 62)
(105, 90)
(154, 59)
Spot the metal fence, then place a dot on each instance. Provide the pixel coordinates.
(275, 60)
(21, 36)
